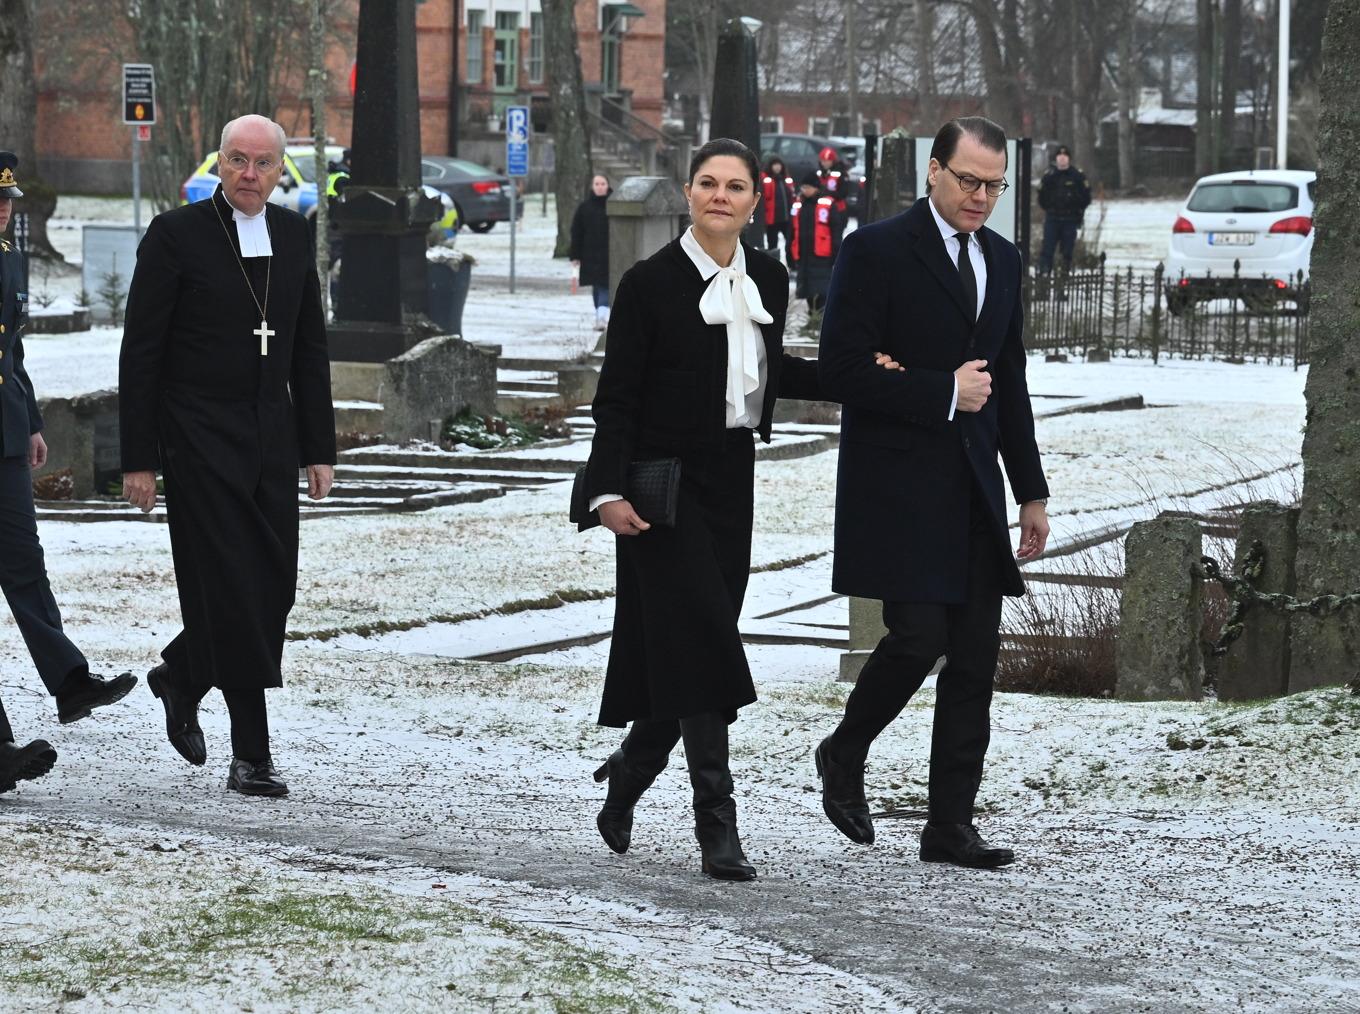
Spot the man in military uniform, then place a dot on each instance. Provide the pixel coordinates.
(23, 576)
(1064, 194)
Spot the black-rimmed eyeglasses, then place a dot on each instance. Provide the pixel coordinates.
(969, 184)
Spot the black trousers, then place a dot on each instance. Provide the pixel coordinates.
(919, 633)
(246, 706)
(23, 578)
(772, 234)
(1058, 234)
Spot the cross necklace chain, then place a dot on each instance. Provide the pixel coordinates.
(264, 331)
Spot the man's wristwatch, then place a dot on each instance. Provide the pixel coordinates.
(1041, 500)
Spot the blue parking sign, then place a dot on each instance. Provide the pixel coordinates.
(517, 141)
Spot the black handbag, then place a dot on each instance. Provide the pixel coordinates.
(653, 490)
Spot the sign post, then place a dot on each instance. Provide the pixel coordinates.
(516, 167)
(139, 111)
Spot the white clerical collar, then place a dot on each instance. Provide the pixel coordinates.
(252, 231)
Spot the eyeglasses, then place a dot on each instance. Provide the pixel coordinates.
(969, 184)
(262, 165)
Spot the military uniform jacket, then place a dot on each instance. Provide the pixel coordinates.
(18, 406)
(1064, 194)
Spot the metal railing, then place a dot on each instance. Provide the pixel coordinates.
(624, 135)
(1122, 311)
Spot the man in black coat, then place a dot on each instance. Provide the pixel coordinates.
(224, 385)
(23, 575)
(1064, 194)
(920, 511)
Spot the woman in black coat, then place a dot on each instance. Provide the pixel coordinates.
(693, 364)
(589, 251)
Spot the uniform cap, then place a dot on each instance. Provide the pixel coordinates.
(9, 186)
(1063, 150)
(828, 153)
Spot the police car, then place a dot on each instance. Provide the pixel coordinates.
(1246, 235)
(297, 185)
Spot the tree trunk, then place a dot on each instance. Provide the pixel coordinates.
(320, 87)
(1227, 116)
(571, 142)
(1204, 88)
(1327, 651)
(1087, 68)
(1003, 96)
(927, 118)
(19, 117)
(1129, 83)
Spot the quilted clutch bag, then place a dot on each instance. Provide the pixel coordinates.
(653, 490)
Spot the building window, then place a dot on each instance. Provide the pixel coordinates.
(475, 21)
(505, 51)
(874, 127)
(535, 48)
(819, 126)
(611, 39)
(772, 125)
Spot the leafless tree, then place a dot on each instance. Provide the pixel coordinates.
(571, 140)
(18, 120)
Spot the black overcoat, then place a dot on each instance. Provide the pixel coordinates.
(590, 240)
(18, 406)
(906, 474)
(676, 649)
(227, 426)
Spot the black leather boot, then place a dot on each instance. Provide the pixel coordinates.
(630, 770)
(715, 812)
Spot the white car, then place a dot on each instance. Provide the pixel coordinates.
(1246, 235)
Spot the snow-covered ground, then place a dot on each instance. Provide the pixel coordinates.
(438, 850)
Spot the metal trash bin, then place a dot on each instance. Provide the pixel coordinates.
(448, 291)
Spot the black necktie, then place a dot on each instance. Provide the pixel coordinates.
(966, 275)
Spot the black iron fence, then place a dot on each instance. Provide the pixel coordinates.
(1126, 312)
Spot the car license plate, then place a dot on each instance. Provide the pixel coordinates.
(1232, 238)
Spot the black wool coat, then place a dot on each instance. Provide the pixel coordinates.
(906, 474)
(18, 407)
(590, 240)
(662, 393)
(227, 426)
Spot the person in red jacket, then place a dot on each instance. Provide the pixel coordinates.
(777, 197)
(818, 224)
(833, 177)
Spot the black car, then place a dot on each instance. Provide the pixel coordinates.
(482, 196)
(799, 154)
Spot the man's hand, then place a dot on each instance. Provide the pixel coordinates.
(37, 451)
(975, 385)
(320, 478)
(620, 518)
(139, 489)
(888, 362)
(1033, 530)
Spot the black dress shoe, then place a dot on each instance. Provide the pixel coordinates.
(255, 778)
(181, 715)
(843, 796)
(22, 763)
(961, 845)
(84, 692)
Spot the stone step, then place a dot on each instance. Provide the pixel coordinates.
(522, 402)
(358, 417)
(429, 477)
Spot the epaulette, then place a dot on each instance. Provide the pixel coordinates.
(5, 246)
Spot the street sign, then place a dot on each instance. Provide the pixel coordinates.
(144, 132)
(517, 141)
(139, 93)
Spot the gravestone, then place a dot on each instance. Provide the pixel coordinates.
(82, 434)
(1257, 664)
(435, 379)
(645, 213)
(895, 176)
(1158, 657)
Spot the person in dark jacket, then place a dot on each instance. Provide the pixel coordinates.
(693, 364)
(818, 225)
(1064, 194)
(23, 574)
(777, 197)
(589, 251)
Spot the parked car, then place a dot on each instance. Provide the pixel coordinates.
(799, 152)
(297, 185)
(1243, 235)
(481, 196)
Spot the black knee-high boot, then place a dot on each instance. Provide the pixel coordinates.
(715, 811)
(631, 769)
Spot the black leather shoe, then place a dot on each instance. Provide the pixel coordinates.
(82, 693)
(255, 778)
(961, 845)
(181, 715)
(843, 796)
(22, 763)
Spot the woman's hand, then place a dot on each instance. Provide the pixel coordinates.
(887, 362)
(620, 518)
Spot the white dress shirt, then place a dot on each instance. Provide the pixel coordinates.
(252, 231)
(731, 299)
(951, 247)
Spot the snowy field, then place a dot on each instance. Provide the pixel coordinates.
(438, 851)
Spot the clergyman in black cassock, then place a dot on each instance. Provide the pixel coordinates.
(23, 573)
(224, 383)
